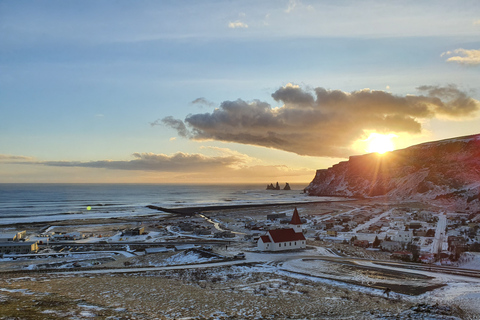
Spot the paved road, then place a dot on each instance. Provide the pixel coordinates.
(254, 257)
(437, 244)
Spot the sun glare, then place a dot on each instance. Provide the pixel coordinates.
(380, 143)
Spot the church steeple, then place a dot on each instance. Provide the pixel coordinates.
(296, 222)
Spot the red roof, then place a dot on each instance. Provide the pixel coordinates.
(295, 218)
(265, 239)
(285, 235)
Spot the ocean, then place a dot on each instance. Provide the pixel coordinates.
(22, 203)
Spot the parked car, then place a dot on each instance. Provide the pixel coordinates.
(240, 255)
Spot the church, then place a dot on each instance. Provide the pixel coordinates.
(284, 239)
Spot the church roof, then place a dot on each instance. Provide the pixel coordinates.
(295, 218)
(265, 239)
(284, 235)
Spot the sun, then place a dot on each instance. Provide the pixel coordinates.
(380, 143)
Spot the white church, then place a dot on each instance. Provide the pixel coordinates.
(284, 239)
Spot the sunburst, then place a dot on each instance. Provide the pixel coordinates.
(380, 143)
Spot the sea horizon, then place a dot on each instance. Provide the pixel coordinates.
(39, 202)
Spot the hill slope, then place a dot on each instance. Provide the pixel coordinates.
(445, 171)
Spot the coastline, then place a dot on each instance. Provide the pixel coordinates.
(165, 213)
(189, 211)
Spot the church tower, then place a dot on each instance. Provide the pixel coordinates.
(296, 223)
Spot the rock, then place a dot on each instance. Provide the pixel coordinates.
(445, 171)
(287, 187)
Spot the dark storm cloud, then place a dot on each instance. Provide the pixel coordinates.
(322, 122)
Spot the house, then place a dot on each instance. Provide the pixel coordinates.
(224, 234)
(19, 247)
(275, 216)
(332, 233)
(415, 225)
(425, 216)
(361, 243)
(427, 258)
(403, 255)
(390, 246)
(68, 236)
(403, 236)
(12, 236)
(134, 231)
(284, 239)
(327, 224)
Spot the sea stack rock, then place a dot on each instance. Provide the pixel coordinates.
(287, 187)
(270, 187)
(277, 187)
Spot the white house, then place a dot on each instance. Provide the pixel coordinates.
(390, 246)
(403, 236)
(284, 239)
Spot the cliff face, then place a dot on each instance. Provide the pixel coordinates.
(446, 171)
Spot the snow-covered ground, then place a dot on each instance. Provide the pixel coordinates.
(470, 260)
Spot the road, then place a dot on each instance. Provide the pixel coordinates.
(437, 245)
(279, 258)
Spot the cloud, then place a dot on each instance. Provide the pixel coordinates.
(173, 123)
(7, 157)
(203, 101)
(225, 165)
(476, 23)
(294, 4)
(450, 101)
(237, 24)
(323, 122)
(179, 162)
(463, 56)
(291, 5)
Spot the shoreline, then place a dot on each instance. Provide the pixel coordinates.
(190, 211)
(169, 213)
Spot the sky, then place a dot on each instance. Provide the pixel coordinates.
(227, 91)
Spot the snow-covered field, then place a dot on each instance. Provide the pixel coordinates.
(261, 291)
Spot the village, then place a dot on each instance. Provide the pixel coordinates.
(409, 233)
(281, 251)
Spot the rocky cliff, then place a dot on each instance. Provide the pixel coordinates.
(446, 171)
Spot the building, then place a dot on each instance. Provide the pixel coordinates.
(12, 236)
(332, 233)
(138, 231)
(284, 239)
(403, 255)
(390, 246)
(403, 236)
(18, 247)
(68, 236)
(361, 243)
(275, 216)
